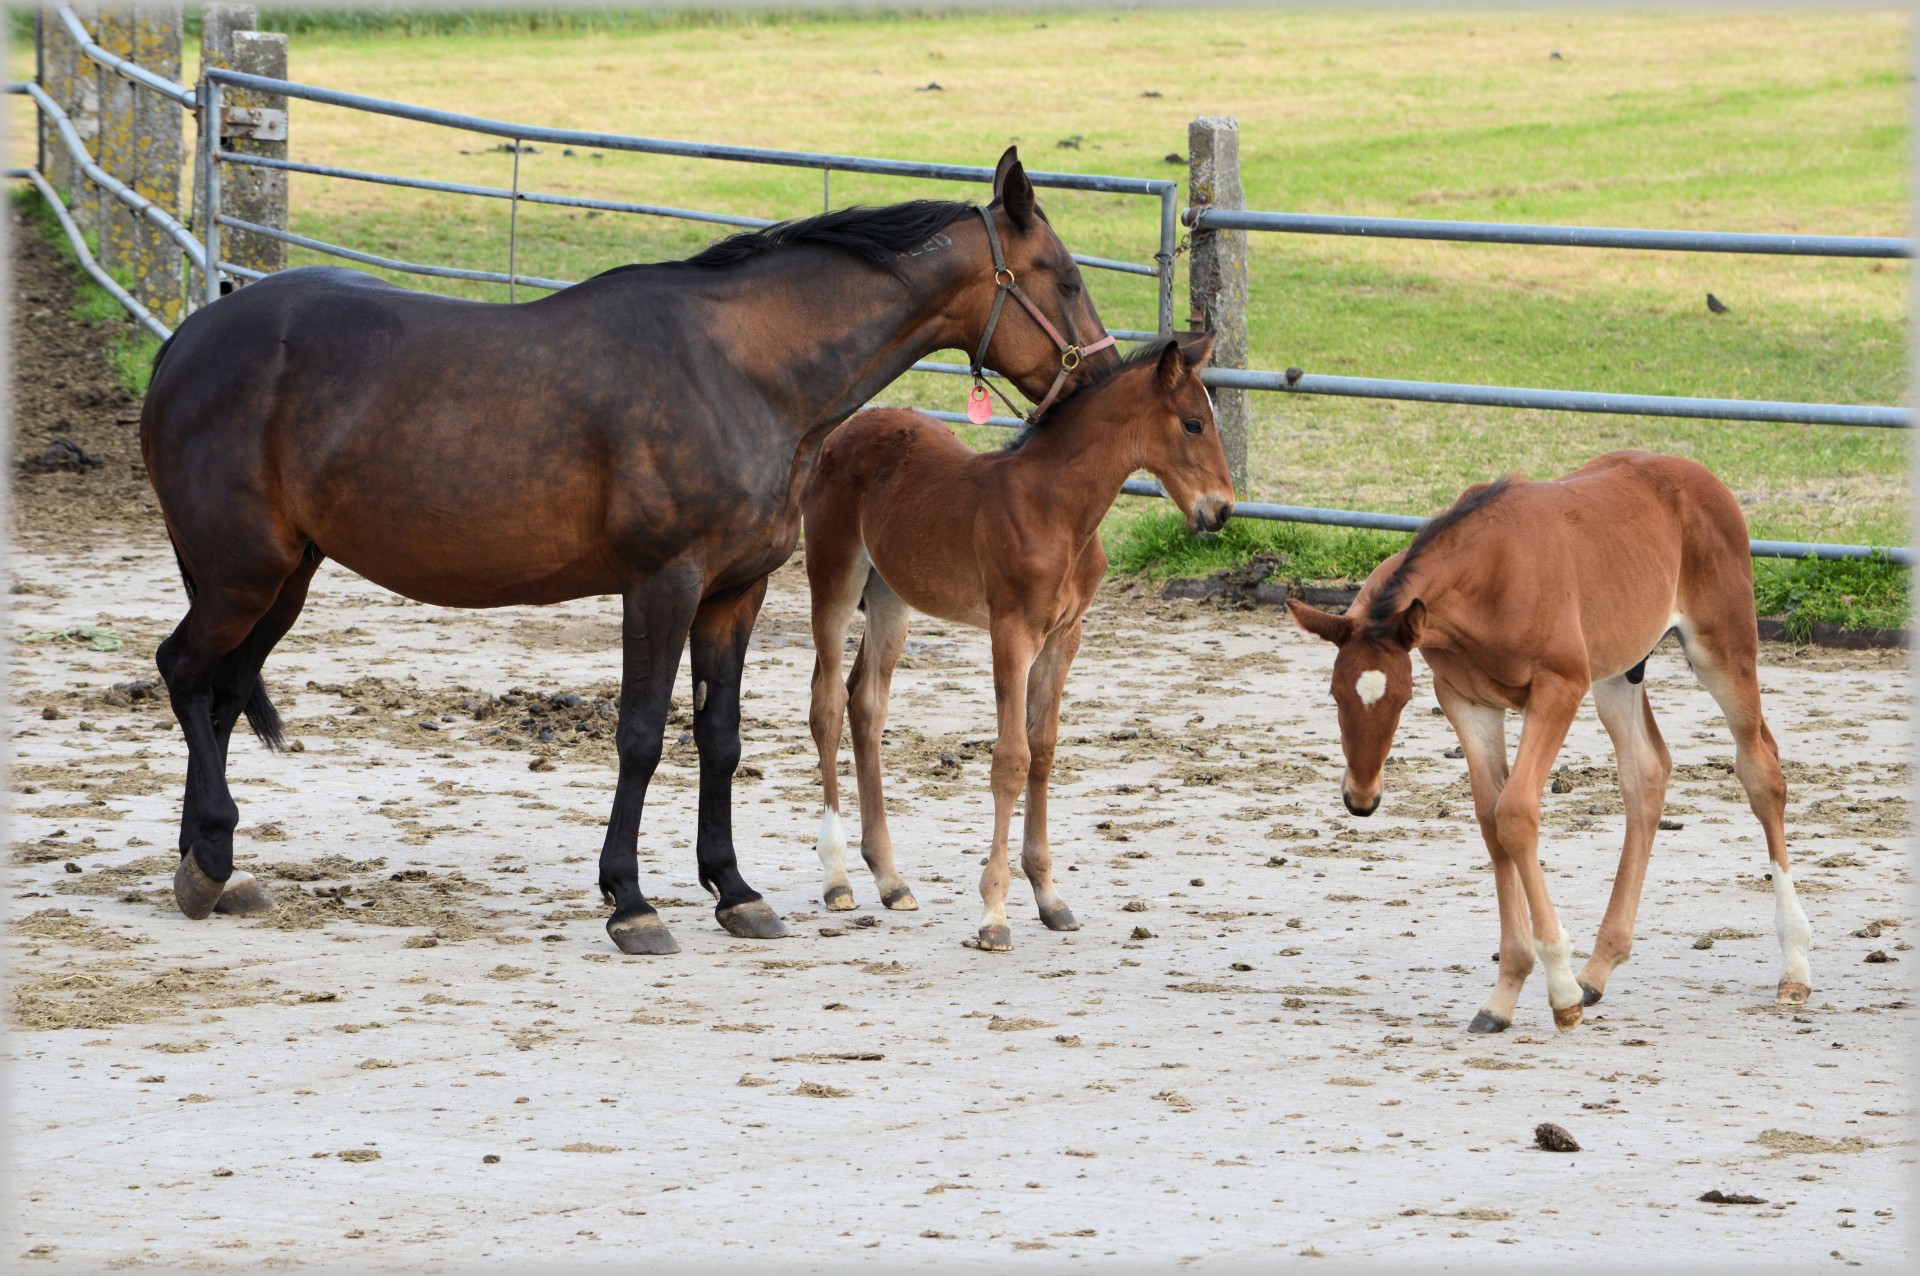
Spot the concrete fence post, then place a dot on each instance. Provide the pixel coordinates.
(256, 124)
(1217, 274)
(140, 133)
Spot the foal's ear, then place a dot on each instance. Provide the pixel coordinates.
(1321, 624)
(1198, 352)
(1172, 367)
(1411, 624)
(1013, 190)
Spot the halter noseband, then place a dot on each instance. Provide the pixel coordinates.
(1070, 354)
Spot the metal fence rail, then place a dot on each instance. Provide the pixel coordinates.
(1368, 520)
(1692, 241)
(1166, 192)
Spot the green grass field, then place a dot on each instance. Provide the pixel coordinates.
(1753, 121)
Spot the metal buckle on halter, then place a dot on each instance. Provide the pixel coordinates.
(1004, 283)
(1069, 358)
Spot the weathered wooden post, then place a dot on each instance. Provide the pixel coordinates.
(1217, 274)
(140, 133)
(70, 80)
(253, 124)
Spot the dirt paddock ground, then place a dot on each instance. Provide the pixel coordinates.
(1255, 1048)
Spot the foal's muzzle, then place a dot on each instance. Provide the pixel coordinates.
(1361, 811)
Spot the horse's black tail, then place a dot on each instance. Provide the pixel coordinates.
(261, 715)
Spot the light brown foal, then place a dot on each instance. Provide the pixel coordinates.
(1523, 596)
(900, 513)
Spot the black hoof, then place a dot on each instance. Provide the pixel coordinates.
(1061, 918)
(243, 896)
(193, 890)
(642, 936)
(754, 919)
(900, 900)
(1487, 1021)
(1588, 993)
(839, 899)
(994, 939)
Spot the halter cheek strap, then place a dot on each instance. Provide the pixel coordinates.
(1004, 284)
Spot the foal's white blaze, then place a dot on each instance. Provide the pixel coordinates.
(833, 850)
(1371, 685)
(1562, 989)
(1790, 924)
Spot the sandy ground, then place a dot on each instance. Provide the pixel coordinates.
(431, 1054)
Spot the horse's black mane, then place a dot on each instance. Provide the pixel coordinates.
(1095, 378)
(1385, 608)
(875, 235)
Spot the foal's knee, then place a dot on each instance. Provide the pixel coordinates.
(640, 747)
(1012, 761)
(1516, 821)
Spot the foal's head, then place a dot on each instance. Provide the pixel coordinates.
(1372, 682)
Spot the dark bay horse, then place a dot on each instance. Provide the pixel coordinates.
(647, 432)
(1524, 596)
(900, 513)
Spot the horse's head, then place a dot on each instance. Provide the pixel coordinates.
(1043, 289)
(1372, 682)
(1179, 440)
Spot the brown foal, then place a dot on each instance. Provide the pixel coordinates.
(900, 513)
(1523, 596)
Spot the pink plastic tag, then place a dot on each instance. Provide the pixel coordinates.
(979, 407)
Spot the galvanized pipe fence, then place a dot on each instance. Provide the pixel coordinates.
(1205, 220)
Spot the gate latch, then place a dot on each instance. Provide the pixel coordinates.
(261, 124)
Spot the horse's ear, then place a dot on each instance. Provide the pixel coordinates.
(1411, 625)
(1321, 624)
(1172, 368)
(1196, 353)
(1013, 190)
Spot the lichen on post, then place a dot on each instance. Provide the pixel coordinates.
(1217, 275)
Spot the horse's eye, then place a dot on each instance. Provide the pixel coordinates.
(1191, 426)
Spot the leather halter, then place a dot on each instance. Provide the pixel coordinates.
(1070, 354)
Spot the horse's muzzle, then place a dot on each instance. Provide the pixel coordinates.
(1361, 811)
(1210, 513)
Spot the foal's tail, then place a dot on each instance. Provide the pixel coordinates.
(261, 715)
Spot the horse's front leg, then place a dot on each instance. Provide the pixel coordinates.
(1015, 644)
(656, 615)
(1045, 682)
(721, 629)
(1551, 704)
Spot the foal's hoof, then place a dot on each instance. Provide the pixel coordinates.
(900, 900)
(642, 936)
(1061, 918)
(994, 939)
(1793, 993)
(754, 919)
(1487, 1021)
(193, 890)
(244, 896)
(1588, 993)
(1567, 1018)
(839, 899)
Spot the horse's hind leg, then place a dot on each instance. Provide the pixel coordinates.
(1724, 657)
(721, 629)
(1045, 681)
(218, 628)
(836, 572)
(1641, 759)
(868, 688)
(656, 615)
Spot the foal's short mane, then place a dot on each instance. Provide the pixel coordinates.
(1384, 611)
(875, 235)
(1094, 379)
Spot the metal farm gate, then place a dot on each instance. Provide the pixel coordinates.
(238, 228)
